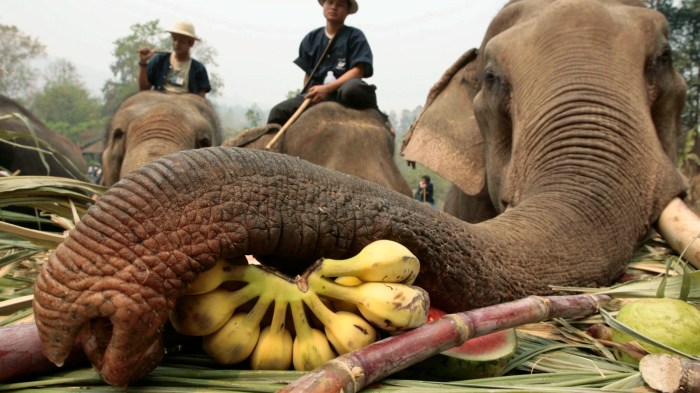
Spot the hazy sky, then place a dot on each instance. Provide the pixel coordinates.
(413, 41)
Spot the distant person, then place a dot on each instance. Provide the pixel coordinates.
(338, 75)
(424, 193)
(176, 71)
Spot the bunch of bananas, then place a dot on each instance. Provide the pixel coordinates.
(336, 307)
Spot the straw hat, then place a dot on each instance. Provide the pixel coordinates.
(353, 5)
(184, 28)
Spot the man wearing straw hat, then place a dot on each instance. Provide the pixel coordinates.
(334, 58)
(176, 71)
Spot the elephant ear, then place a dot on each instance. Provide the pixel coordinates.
(446, 137)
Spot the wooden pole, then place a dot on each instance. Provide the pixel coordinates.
(289, 122)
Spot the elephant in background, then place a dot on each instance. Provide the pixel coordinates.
(356, 142)
(150, 124)
(38, 151)
(575, 105)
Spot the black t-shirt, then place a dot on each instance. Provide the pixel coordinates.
(349, 49)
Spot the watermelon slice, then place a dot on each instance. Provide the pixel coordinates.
(481, 357)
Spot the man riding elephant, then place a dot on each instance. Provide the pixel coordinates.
(334, 58)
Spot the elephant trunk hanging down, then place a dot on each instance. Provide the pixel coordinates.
(570, 97)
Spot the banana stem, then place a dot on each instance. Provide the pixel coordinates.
(355, 370)
(258, 311)
(324, 314)
(279, 315)
(329, 288)
(336, 267)
(301, 324)
(242, 296)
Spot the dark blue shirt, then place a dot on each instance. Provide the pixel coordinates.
(159, 67)
(349, 49)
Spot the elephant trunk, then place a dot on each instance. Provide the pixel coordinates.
(117, 275)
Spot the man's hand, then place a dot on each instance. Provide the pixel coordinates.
(145, 54)
(319, 93)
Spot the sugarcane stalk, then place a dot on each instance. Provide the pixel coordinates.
(670, 374)
(355, 370)
(21, 356)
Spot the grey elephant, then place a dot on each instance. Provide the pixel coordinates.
(577, 102)
(36, 149)
(150, 124)
(356, 142)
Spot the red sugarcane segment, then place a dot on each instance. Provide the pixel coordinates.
(355, 370)
(21, 356)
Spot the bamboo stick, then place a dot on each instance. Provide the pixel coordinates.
(355, 370)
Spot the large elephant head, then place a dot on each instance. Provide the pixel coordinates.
(569, 97)
(561, 98)
(149, 125)
(34, 149)
(356, 142)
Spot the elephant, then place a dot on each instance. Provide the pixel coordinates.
(356, 142)
(36, 151)
(577, 102)
(151, 124)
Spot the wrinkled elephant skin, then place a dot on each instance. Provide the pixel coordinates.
(356, 142)
(61, 157)
(150, 125)
(584, 171)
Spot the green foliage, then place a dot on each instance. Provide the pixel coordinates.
(17, 52)
(125, 67)
(65, 105)
(684, 25)
(254, 116)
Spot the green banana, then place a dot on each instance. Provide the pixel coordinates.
(236, 340)
(200, 315)
(310, 348)
(380, 261)
(389, 306)
(274, 348)
(346, 331)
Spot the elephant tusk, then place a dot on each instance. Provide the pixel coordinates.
(680, 226)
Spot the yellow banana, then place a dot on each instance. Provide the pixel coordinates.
(235, 341)
(346, 331)
(381, 261)
(341, 305)
(274, 348)
(222, 271)
(310, 348)
(388, 306)
(273, 351)
(200, 315)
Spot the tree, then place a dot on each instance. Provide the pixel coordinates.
(254, 116)
(17, 52)
(65, 105)
(126, 70)
(684, 31)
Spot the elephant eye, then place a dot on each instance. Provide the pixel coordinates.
(489, 77)
(117, 134)
(204, 142)
(666, 56)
